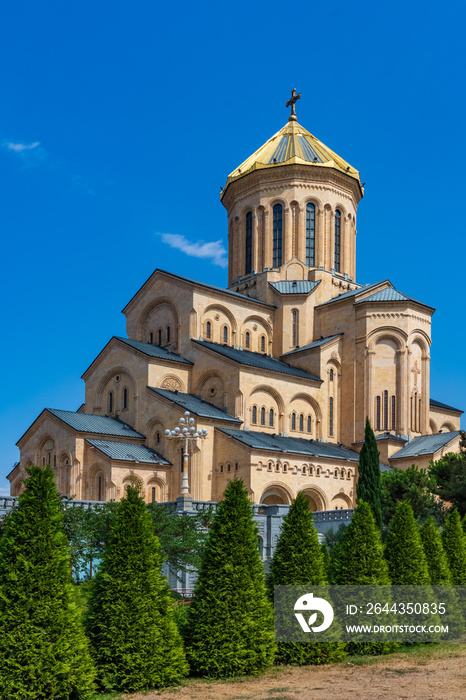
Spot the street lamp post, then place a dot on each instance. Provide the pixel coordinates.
(187, 432)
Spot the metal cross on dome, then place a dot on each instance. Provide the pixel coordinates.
(291, 103)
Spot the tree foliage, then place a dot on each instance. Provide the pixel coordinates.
(299, 560)
(436, 558)
(368, 486)
(449, 474)
(44, 654)
(454, 544)
(230, 622)
(413, 485)
(407, 564)
(130, 621)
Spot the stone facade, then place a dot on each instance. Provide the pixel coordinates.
(293, 347)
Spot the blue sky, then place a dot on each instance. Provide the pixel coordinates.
(119, 122)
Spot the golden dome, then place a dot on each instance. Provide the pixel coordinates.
(292, 144)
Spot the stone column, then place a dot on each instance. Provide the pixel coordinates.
(425, 395)
(369, 398)
(301, 234)
(255, 242)
(287, 235)
(402, 391)
(267, 239)
(320, 237)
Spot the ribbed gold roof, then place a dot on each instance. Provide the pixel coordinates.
(292, 144)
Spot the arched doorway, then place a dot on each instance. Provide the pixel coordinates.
(316, 501)
(275, 495)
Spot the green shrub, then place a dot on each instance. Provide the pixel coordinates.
(454, 544)
(368, 486)
(407, 564)
(436, 558)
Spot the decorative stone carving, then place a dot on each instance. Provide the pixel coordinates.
(172, 384)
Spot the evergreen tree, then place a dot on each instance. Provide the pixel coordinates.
(325, 559)
(454, 544)
(368, 486)
(463, 524)
(407, 564)
(298, 560)
(44, 653)
(437, 562)
(449, 473)
(230, 622)
(130, 622)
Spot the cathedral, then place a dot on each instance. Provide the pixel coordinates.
(280, 368)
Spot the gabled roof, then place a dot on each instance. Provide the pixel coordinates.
(384, 436)
(152, 350)
(194, 404)
(438, 404)
(425, 445)
(291, 445)
(244, 297)
(128, 452)
(389, 294)
(294, 286)
(314, 344)
(256, 359)
(98, 425)
(353, 293)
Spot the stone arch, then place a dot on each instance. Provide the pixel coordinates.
(47, 446)
(278, 404)
(396, 335)
(317, 500)
(157, 483)
(211, 388)
(341, 500)
(107, 377)
(276, 493)
(216, 306)
(447, 427)
(433, 427)
(130, 479)
(154, 426)
(316, 413)
(95, 482)
(422, 339)
(157, 304)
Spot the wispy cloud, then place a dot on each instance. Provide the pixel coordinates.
(208, 250)
(4, 492)
(20, 147)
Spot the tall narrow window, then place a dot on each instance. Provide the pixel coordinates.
(159, 336)
(331, 375)
(263, 343)
(100, 489)
(153, 494)
(337, 239)
(385, 410)
(393, 413)
(310, 235)
(110, 402)
(151, 337)
(271, 418)
(225, 334)
(377, 422)
(248, 265)
(294, 327)
(293, 421)
(125, 398)
(157, 437)
(254, 415)
(168, 333)
(330, 416)
(301, 423)
(309, 424)
(208, 330)
(247, 339)
(262, 416)
(419, 416)
(55, 461)
(277, 235)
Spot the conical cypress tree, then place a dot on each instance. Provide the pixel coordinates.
(298, 560)
(230, 622)
(454, 544)
(407, 564)
(463, 524)
(437, 562)
(325, 559)
(44, 653)
(130, 623)
(368, 486)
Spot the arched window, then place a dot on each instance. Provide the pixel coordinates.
(208, 330)
(301, 423)
(330, 416)
(248, 265)
(262, 343)
(277, 235)
(309, 424)
(247, 339)
(310, 235)
(393, 413)
(385, 410)
(377, 419)
(125, 398)
(221, 467)
(254, 415)
(337, 239)
(153, 492)
(331, 375)
(159, 336)
(271, 418)
(151, 337)
(304, 470)
(236, 466)
(100, 489)
(168, 333)
(110, 402)
(157, 437)
(294, 327)
(262, 415)
(293, 421)
(269, 466)
(228, 467)
(335, 473)
(225, 334)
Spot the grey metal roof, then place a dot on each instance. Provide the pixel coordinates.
(295, 286)
(385, 467)
(194, 404)
(314, 344)
(425, 445)
(99, 425)
(438, 404)
(384, 436)
(128, 452)
(255, 359)
(352, 293)
(389, 294)
(154, 350)
(291, 445)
